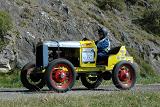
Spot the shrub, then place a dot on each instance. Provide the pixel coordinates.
(151, 21)
(146, 69)
(117, 4)
(132, 2)
(153, 2)
(5, 23)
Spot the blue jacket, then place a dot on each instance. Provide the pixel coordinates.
(103, 45)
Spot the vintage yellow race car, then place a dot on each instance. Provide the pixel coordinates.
(59, 63)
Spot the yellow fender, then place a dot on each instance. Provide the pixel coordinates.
(121, 55)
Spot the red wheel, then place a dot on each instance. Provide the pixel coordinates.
(60, 75)
(124, 75)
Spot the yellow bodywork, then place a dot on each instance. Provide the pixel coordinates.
(112, 59)
(120, 56)
(87, 45)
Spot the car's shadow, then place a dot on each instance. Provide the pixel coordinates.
(98, 89)
(25, 91)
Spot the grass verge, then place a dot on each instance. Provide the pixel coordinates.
(113, 99)
(10, 80)
(148, 80)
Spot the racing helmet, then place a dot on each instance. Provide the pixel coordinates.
(103, 31)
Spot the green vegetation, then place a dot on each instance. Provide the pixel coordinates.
(147, 68)
(2, 43)
(5, 23)
(19, 2)
(148, 80)
(10, 80)
(27, 13)
(151, 21)
(109, 4)
(5, 26)
(28, 2)
(132, 2)
(116, 99)
(23, 23)
(149, 17)
(16, 33)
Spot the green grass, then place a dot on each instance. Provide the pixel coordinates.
(148, 80)
(2, 44)
(5, 23)
(110, 4)
(113, 99)
(10, 80)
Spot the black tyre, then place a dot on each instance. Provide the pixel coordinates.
(60, 75)
(29, 79)
(91, 80)
(124, 75)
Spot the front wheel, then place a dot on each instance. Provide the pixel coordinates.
(124, 75)
(91, 80)
(60, 75)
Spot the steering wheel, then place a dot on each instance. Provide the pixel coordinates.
(85, 39)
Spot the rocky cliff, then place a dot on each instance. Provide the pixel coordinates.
(74, 20)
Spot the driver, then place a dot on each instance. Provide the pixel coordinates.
(103, 44)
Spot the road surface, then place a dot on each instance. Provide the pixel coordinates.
(15, 93)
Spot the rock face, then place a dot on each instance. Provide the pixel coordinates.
(154, 54)
(6, 58)
(60, 20)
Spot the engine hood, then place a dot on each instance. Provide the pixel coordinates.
(63, 44)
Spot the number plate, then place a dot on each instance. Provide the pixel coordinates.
(88, 55)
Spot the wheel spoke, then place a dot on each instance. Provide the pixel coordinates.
(125, 75)
(61, 75)
(30, 79)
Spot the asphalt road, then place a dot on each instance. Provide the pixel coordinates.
(15, 93)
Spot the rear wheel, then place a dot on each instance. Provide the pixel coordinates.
(91, 80)
(29, 78)
(60, 75)
(124, 75)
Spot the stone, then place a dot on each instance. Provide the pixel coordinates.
(6, 56)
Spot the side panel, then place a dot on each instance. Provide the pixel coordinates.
(90, 69)
(42, 56)
(88, 54)
(121, 55)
